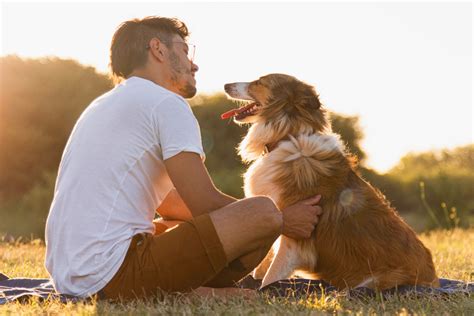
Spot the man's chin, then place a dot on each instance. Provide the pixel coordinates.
(188, 91)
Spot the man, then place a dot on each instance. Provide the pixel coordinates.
(137, 149)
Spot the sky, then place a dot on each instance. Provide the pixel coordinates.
(405, 68)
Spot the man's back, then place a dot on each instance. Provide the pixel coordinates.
(110, 181)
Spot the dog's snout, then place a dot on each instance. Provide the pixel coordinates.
(238, 90)
(228, 87)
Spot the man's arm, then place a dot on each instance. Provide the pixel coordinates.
(194, 185)
(173, 207)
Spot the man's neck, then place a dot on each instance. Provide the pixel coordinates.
(154, 77)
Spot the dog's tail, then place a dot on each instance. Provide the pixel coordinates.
(308, 156)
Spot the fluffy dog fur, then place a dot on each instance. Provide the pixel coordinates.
(360, 240)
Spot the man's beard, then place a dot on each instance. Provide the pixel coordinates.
(187, 91)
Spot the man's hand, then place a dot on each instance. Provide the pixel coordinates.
(300, 219)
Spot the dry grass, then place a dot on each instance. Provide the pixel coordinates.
(452, 251)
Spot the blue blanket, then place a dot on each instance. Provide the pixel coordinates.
(301, 287)
(23, 289)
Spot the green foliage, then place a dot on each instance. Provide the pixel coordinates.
(458, 161)
(446, 183)
(438, 185)
(27, 215)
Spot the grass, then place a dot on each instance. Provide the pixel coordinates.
(452, 252)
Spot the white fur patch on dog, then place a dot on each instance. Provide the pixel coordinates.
(310, 156)
(346, 198)
(259, 180)
(351, 201)
(286, 261)
(253, 144)
(239, 90)
(261, 133)
(312, 145)
(309, 152)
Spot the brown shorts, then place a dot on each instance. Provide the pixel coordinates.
(186, 257)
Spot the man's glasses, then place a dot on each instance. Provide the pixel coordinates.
(191, 49)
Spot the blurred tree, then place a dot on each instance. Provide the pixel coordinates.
(351, 132)
(448, 179)
(458, 161)
(26, 216)
(40, 101)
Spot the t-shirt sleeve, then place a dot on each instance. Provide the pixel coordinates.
(177, 128)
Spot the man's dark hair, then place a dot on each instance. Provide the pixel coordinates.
(129, 46)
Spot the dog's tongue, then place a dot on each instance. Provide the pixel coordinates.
(234, 112)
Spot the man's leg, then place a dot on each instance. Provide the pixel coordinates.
(243, 265)
(240, 267)
(232, 236)
(196, 252)
(244, 226)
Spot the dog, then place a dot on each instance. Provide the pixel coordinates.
(360, 240)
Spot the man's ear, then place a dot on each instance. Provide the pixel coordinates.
(157, 48)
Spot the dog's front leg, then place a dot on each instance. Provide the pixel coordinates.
(260, 271)
(286, 261)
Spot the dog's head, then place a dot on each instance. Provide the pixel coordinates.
(276, 98)
(280, 105)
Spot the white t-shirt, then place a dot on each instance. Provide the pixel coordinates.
(111, 180)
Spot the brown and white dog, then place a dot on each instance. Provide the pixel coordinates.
(360, 240)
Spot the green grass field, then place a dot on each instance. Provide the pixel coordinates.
(452, 252)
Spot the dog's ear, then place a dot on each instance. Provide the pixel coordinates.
(311, 99)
